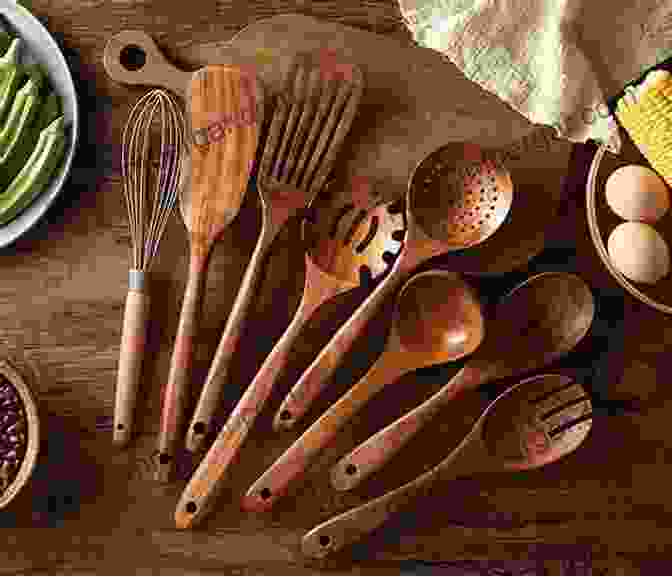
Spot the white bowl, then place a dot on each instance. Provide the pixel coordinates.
(43, 48)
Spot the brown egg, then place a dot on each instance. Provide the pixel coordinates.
(639, 252)
(636, 192)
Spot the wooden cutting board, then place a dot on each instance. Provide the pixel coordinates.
(416, 100)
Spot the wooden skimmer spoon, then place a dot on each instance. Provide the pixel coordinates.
(457, 197)
(306, 133)
(438, 319)
(223, 148)
(539, 321)
(339, 246)
(529, 425)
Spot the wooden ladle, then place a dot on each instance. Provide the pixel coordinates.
(539, 321)
(457, 197)
(530, 425)
(221, 163)
(344, 242)
(438, 319)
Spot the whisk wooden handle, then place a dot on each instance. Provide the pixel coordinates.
(177, 388)
(136, 316)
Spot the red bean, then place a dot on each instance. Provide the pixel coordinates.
(12, 437)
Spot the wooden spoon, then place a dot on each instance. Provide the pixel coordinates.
(530, 425)
(338, 249)
(536, 323)
(438, 319)
(306, 133)
(221, 162)
(458, 196)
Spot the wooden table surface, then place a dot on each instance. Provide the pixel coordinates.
(90, 508)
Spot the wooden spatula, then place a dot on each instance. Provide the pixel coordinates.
(223, 103)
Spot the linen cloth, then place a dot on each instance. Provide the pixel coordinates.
(554, 61)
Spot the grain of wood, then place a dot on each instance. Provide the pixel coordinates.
(61, 303)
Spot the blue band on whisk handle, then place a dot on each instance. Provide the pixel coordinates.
(136, 280)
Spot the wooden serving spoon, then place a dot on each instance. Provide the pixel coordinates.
(339, 247)
(529, 425)
(307, 131)
(458, 197)
(438, 319)
(221, 162)
(539, 321)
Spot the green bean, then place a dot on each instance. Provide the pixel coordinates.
(24, 108)
(36, 173)
(5, 41)
(49, 111)
(11, 74)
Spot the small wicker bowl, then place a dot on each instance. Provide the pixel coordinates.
(29, 460)
(602, 220)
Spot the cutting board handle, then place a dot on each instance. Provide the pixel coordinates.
(132, 57)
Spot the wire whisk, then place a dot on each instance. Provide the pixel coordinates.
(153, 171)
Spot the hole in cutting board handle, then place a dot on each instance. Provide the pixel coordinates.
(132, 57)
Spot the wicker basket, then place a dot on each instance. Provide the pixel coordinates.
(601, 221)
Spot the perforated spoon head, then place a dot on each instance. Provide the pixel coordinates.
(460, 194)
(537, 422)
(350, 241)
(440, 316)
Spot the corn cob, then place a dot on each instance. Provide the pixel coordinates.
(645, 112)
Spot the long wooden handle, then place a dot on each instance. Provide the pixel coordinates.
(208, 402)
(347, 528)
(376, 451)
(133, 336)
(315, 377)
(150, 67)
(177, 388)
(292, 463)
(204, 486)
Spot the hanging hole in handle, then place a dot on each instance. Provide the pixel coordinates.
(132, 57)
(365, 276)
(398, 235)
(265, 494)
(350, 469)
(325, 540)
(199, 428)
(120, 427)
(388, 257)
(191, 507)
(165, 458)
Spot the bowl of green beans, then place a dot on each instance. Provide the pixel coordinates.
(39, 120)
